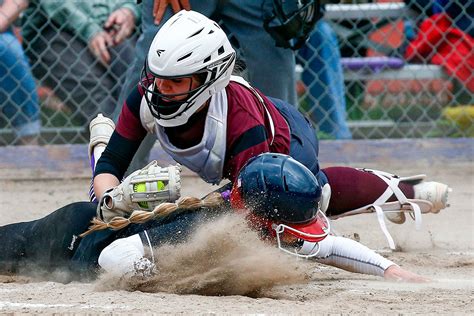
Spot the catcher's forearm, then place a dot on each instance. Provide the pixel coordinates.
(103, 182)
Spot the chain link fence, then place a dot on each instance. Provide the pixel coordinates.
(369, 70)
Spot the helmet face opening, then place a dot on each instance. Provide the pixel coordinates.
(163, 105)
(290, 22)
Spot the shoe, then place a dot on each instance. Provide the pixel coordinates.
(434, 192)
(143, 269)
(101, 128)
(396, 217)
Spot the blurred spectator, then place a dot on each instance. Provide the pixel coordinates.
(324, 98)
(18, 97)
(270, 69)
(81, 50)
(445, 38)
(461, 11)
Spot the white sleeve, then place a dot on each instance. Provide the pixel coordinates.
(349, 255)
(120, 256)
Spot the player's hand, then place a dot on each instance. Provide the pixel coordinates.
(120, 25)
(9, 12)
(4, 23)
(159, 7)
(99, 46)
(396, 273)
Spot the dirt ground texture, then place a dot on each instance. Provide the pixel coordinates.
(442, 250)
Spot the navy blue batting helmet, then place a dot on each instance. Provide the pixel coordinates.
(281, 190)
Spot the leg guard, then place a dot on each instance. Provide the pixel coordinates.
(415, 207)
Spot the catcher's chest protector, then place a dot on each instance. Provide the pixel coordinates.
(207, 157)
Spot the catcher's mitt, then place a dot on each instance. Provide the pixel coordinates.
(143, 190)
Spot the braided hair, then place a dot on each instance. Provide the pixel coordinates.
(213, 200)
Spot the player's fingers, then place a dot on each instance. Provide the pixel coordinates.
(110, 21)
(127, 24)
(105, 56)
(396, 273)
(185, 4)
(120, 36)
(156, 3)
(176, 5)
(108, 40)
(94, 45)
(160, 10)
(112, 33)
(415, 278)
(123, 33)
(102, 51)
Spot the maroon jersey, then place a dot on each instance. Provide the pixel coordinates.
(248, 129)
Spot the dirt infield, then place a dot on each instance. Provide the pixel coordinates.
(442, 250)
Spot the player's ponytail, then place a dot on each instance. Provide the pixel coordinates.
(213, 200)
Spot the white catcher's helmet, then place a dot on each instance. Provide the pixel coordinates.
(188, 43)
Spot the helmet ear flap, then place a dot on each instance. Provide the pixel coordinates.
(325, 197)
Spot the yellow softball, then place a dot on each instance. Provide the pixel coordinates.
(141, 187)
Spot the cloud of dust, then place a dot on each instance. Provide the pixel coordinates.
(223, 257)
(33, 272)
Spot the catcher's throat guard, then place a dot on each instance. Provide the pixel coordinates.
(142, 190)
